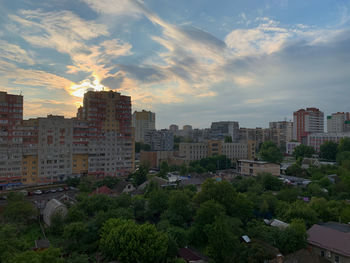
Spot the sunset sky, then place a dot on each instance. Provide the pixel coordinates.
(190, 61)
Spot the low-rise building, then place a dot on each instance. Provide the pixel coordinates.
(290, 146)
(253, 168)
(331, 241)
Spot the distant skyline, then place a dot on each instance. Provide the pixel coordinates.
(190, 62)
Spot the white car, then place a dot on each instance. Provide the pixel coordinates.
(37, 192)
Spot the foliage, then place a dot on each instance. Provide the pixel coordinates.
(128, 242)
(140, 176)
(18, 210)
(344, 145)
(140, 146)
(303, 151)
(329, 150)
(228, 139)
(270, 182)
(269, 152)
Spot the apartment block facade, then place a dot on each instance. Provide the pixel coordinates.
(160, 140)
(143, 121)
(11, 117)
(315, 140)
(44, 150)
(307, 121)
(337, 122)
(196, 151)
(111, 141)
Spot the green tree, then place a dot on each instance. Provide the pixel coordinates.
(180, 210)
(342, 157)
(344, 145)
(303, 151)
(18, 210)
(223, 242)
(270, 182)
(269, 152)
(228, 139)
(293, 237)
(128, 242)
(329, 150)
(11, 241)
(140, 176)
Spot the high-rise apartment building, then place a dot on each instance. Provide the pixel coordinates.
(221, 129)
(174, 128)
(11, 117)
(307, 121)
(160, 140)
(281, 132)
(143, 121)
(111, 144)
(337, 122)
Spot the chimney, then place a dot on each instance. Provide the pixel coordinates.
(279, 258)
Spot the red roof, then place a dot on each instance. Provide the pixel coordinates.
(102, 190)
(331, 236)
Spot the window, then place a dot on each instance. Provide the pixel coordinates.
(322, 253)
(336, 259)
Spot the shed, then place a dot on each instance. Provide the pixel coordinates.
(53, 207)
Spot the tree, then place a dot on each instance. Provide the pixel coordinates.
(329, 150)
(128, 242)
(270, 182)
(269, 152)
(344, 145)
(303, 151)
(18, 210)
(140, 176)
(228, 139)
(180, 210)
(10, 241)
(164, 169)
(293, 237)
(223, 242)
(343, 157)
(221, 192)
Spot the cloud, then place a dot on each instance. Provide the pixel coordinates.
(119, 8)
(15, 53)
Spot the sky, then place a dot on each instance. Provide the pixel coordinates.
(189, 61)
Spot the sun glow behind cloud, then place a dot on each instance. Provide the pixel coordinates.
(78, 90)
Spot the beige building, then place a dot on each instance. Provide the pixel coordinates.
(253, 168)
(197, 151)
(143, 121)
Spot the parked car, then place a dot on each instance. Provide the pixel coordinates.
(47, 191)
(38, 192)
(3, 197)
(53, 190)
(60, 189)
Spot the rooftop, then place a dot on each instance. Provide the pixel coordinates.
(331, 236)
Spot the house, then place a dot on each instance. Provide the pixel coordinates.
(160, 182)
(191, 256)
(300, 256)
(102, 190)
(331, 241)
(53, 207)
(307, 162)
(123, 187)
